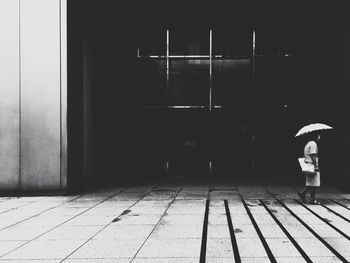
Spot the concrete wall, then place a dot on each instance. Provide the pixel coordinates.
(33, 99)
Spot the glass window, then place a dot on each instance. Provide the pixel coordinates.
(152, 43)
(189, 42)
(151, 83)
(189, 82)
(232, 43)
(230, 81)
(275, 43)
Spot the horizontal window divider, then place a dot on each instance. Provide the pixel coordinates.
(180, 107)
(216, 57)
(273, 55)
(194, 57)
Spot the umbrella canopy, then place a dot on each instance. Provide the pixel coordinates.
(313, 127)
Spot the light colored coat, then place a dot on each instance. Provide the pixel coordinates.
(311, 179)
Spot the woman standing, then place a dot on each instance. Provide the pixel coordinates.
(312, 180)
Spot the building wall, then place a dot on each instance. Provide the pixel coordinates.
(33, 95)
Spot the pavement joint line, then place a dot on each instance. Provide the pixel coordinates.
(14, 208)
(1, 256)
(324, 220)
(40, 213)
(340, 204)
(336, 213)
(143, 243)
(232, 234)
(336, 253)
(106, 225)
(261, 236)
(203, 251)
(285, 231)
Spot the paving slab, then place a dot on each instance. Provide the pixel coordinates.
(219, 248)
(215, 219)
(91, 220)
(255, 260)
(250, 247)
(44, 221)
(22, 233)
(182, 219)
(218, 231)
(179, 247)
(96, 260)
(121, 248)
(342, 245)
(178, 231)
(9, 245)
(136, 219)
(30, 261)
(219, 260)
(58, 249)
(125, 231)
(71, 232)
(313, 247)
(290, 260)
(282, 247)
(166, 260)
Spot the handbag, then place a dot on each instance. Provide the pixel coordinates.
(307, 168)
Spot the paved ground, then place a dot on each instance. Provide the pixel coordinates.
(178, 224)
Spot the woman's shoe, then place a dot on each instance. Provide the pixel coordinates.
(302, 197)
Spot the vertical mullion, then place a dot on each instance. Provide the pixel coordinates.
(253, 53)
(167, 55)
(210, 67)
(210, 89)
(253, 76)
(167, 83)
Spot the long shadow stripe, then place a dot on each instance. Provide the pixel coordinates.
(204, 234)
(336, 213)
(324, 220)
(262, 239)
(232, 234)
(336, 253)
(340, 204)
(301, 251)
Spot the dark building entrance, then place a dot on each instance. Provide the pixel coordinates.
(208, 91)
(195, 103)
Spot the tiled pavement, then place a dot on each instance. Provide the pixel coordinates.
(177, 223)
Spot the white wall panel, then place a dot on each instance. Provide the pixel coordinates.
(64, 95)
(9, 96)
(40, 94)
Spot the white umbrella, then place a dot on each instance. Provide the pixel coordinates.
(313, 127)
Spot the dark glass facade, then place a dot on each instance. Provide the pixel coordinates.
(217, 90)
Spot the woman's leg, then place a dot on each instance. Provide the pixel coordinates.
(305, 190)
(312, 193)
(302, 194)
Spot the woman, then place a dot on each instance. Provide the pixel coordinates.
(312, 180)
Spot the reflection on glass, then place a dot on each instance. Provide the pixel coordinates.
(232, 43)
(189, 42)
(189, 82)
(231, 82)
